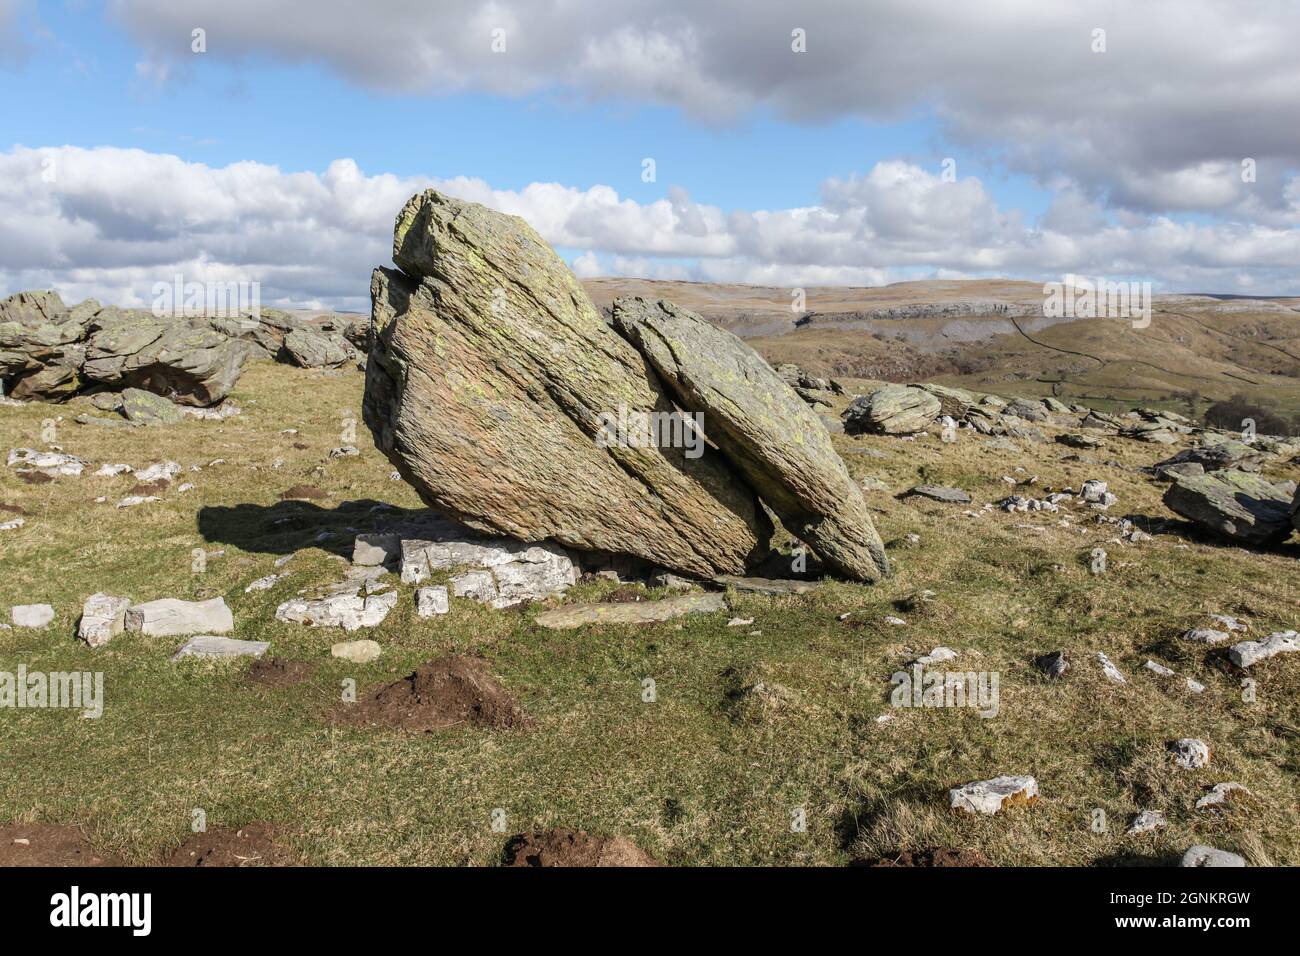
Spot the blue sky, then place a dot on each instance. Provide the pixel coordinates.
(1062, 162)
(81, 87)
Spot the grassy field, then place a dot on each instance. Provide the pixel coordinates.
(702, 775)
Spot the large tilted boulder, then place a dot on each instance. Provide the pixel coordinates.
(1239, 505)
(891, 410)
(491, 376)
(763, 427)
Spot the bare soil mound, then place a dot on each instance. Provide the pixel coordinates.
(279, 672)
(442, 693)
(302, 493)
(933, 856)
(252, 845)
(45, 844)
(561, 847)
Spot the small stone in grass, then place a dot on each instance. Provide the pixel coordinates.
(431, 601)
(1205, 635)
(1053, 664)
(1146, 821)
(211, 645)
(358, 652)
(1190, 753)
(937, 656)
(990, 796)
(1221, 793)
(1110, 670)
(1249, 653)
(32, 615)
(1201, 855)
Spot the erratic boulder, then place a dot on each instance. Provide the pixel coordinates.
(1236, 504)
(773, 438)
(492, 378)
(892, 410)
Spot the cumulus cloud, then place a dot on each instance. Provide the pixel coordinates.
(110, 222)
(1158, 122)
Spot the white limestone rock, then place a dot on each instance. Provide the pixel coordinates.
(52, 463)
(376, 550)
(475, 585)
(1205, 635)
(32, 615)
(1190, 753)
(1112, 672)
(937, 656)
(1249, 653)
(162, 471)
(358, 652)
(1146, 821)
(519, 572)
(103, 617)
(1201, 855)
(1220, 794)
(171, 617)
(263, 583)
(346, 609)
(212, 645)
(991, 796)
(431, 601)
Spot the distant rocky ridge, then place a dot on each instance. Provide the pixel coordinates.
(50, 351)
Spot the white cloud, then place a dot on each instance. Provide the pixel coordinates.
(111, 222)
(1159, 122)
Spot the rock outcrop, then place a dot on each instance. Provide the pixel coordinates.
(50, 351)
(772, 437)
(191, 363)
(490, 380)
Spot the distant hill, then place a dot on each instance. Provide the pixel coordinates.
(991, 335)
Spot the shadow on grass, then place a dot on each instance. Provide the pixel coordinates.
(1193, 533)
(289, 526)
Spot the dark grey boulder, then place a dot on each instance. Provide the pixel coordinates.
(952, 496)
(1236, 504)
